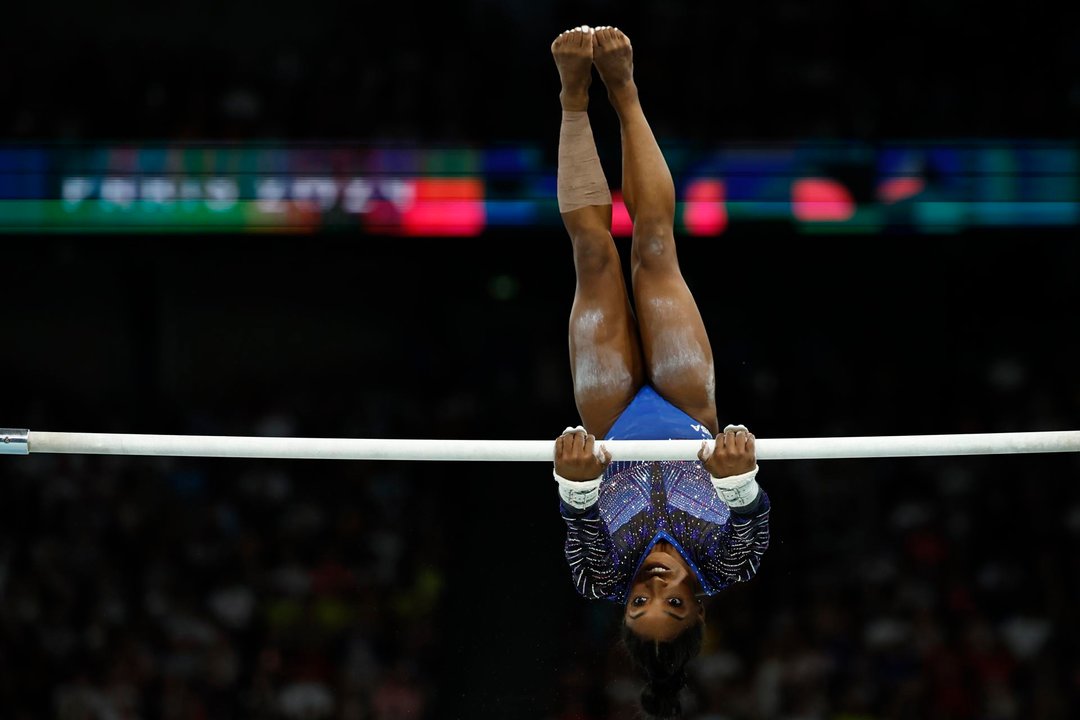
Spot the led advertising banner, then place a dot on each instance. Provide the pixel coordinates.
(939, 187)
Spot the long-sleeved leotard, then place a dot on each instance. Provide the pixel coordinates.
(642, 503)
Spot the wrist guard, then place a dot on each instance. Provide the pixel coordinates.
(579, 494)
(738, 491)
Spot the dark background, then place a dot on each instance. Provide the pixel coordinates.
(913, 588)
(480, 71)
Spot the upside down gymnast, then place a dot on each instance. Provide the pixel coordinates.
(656, 537)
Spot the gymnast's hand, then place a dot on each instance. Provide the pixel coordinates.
(576, 455)
(731, 454)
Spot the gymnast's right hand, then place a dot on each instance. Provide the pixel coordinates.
(577, 457)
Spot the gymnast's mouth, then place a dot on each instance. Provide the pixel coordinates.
(655, 568)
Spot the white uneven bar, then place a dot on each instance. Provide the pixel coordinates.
(540, 450)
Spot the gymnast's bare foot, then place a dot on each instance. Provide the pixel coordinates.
(573, 51)
(614, 60)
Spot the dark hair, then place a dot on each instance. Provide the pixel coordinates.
(664, 664)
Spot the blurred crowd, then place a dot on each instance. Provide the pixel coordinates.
(137, 588)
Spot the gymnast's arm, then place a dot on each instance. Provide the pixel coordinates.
(736, 548)
(739, 546)
(589, 552)
(588, 549)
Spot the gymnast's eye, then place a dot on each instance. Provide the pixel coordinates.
(675, 602)
(638, 601)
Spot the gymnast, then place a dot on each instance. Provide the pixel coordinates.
(656, 537)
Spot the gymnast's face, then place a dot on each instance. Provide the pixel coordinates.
(661, 603)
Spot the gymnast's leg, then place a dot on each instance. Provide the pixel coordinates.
(678, 357)
(606, 362)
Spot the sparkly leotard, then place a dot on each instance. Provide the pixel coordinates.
(643, 503)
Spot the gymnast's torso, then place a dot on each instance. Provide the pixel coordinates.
(644, 504)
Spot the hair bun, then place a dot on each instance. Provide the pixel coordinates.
(660, 698)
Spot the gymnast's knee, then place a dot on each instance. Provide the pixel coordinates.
(594, 251)
(654, 245)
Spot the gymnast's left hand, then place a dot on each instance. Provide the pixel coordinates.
(732, 453)
(577, 457)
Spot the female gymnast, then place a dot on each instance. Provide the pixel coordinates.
(657, 537)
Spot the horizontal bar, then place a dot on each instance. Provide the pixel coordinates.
(541, 450)
(14, 441)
